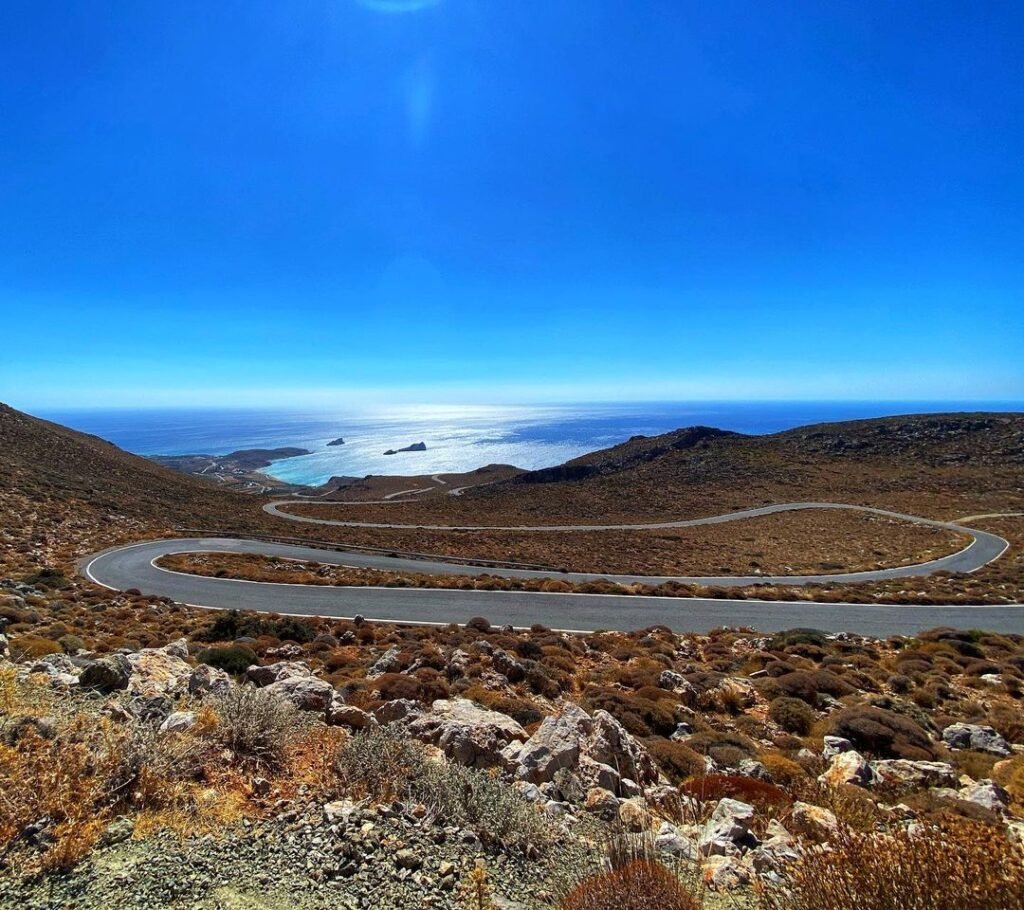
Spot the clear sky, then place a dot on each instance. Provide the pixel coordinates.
(509, 200)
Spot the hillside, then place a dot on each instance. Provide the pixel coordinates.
(63, 493)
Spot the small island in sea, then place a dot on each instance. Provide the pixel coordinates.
(415, 447)
(337, 442)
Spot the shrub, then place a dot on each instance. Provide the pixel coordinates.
(677, 760)
(256, 725)
(392, 686)
(377, 763)
(382, 765)
(792, 637)
(806, 685)
(230, 658)
(29, 647)
(760, 794)
(488, 806)
(883, 733)
(71, 643)
(955, 863)
(792, 714)
(639, 885)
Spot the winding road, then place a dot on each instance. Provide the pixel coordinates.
(134, 566)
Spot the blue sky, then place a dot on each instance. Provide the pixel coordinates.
(344, 201)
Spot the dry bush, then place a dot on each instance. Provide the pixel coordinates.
(882, 733)
(639, 885)
(382, 765)
(256, 725)
(377, 763)
(676, 759)
(766, 798)
(794, 715)
(954, 864)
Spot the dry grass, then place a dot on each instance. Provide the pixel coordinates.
(936, 867)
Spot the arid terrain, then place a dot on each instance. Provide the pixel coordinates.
(157, 755)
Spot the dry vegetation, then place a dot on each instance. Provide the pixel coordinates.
(789, 543)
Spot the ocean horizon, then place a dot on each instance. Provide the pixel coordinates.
(457, 438)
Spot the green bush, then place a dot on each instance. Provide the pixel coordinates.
(792, 714)
(229, 658)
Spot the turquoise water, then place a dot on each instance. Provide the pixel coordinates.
(457, 438)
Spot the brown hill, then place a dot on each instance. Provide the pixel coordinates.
(63, 492)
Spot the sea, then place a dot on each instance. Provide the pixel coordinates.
(457, 438)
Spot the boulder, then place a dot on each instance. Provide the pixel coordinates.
(505, 664)
(728, 829)
(554, 745)
(848, 768)
(974, 736)
(388, 662)
(342, 715)
(987, 794)
(813, 822)
(106, 674)
(610, 744)
(466, 732)
(5, 649)
(272, 673)
(600, 801)
(159, 671)
(834, 745)
(672, 841)
(914, 774)
(398, 709)
(307, 693)
(207, 680)
(178, 722)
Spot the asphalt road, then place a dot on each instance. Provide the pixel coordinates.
(132, 566)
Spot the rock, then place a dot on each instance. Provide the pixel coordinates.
(634, 814)
(177, 648)
(207, 680)
(554, 745)
(987, 794)
(159, 671)
(974, 736)
(672, 841)
(5, 649)
(598, 748)
(53, 665)
(106, 674)
(610, 744)
(751, 768)
(466, 732)
(848, 768)
(341, 715)
(727, 829)
(307, 693)
(178, 722)
(914, 774)
(398, 709)
(596, 774)
(834, 745)
(813, 822)
(118, 831)
(287, 651)
(154, 709)
(408, 859)
(272, 673)
(507, 665)
(338, 811)
(682, 731)
(458, 663)
(724, 873)
(388, 662)
(600, 801)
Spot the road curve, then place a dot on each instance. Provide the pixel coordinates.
(132, 566)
